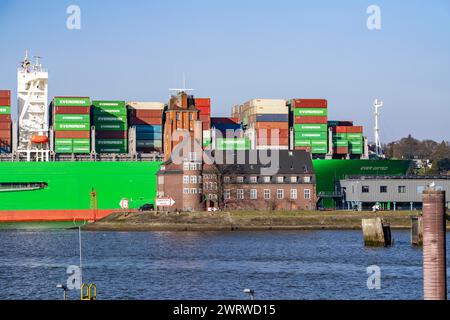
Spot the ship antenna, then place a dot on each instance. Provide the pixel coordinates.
(184, 89)
(377, 104)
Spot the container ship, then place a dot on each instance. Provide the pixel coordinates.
(79, 159)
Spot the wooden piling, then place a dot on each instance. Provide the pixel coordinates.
(417, 231)
(377, 232)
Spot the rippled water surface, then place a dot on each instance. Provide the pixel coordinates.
(209, 265)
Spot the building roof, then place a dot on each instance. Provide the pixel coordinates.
(287, 162)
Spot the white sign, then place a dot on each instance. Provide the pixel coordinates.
(164, 202)
(124, 203)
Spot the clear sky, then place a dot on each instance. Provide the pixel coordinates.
(236, 50)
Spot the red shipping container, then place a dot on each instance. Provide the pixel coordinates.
(340, 129)
(5, 102)
(5, 125)
(340, 150)
(5, 134)
(202, 102)
(309, 103)
(205, 118)
(308, 149)
(72, 110)
(145, 121)
(5, 93)
(204, 111)
(280, 133)
(311, 120)
(355, 129)
(5, 118)
(206, 125)
(72, 134)
(146, 113)
(111, 134)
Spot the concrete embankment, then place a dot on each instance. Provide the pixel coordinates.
(249, 220)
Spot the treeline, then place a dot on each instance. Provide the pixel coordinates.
(438, 153)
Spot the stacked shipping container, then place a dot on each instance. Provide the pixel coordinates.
(111, 128)
(72, 124)
(228, 134)
(147, 117)
(268, 123)
(347, 139)
(5, 121)
(309, 122)
(203, 105)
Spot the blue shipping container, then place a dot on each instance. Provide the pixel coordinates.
(149, 136)
(149, 128)
(272, 118)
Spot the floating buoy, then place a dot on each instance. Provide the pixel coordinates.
(39, 139)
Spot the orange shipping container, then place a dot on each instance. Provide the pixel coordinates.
(311, 120)
(272, 125)
(5, 93)
(145, 121)
(72, 134)
(5, 101)
(72, 110)
(5, 125)
(5, 118)
(355, 129)
(340, 129)
(5, 134)
(202, 102)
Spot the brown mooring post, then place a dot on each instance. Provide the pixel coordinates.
(434, 256)
(417, 231)
(376, 232)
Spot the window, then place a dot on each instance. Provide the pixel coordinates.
(240, 179)
(253, 179)
(401, 189)
(240, 194)
(193, 190)
(193, 179)
(307, 194)
(226, 179)
(191, 116)
(306, 179)
(186, 166)
(365, 189)
(199, 179)
(266, 179)
(186, 179)
(280, 179)
(178, 116)
(214, 185)
(186, 190)
(267, 194)
(383, 189)
(227, 194)
(280, 194)
(293, 179)
(192, 166)
(253, 194)
(293, 194)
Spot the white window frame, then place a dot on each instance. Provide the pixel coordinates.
(307, 194)
(294, 179)
(240, 179)
(266, 194)
(280, 194)
(254, 179)
(306, 179)
(226, 179)
(280, 179)
(253, 194)
(193, 179)
(266, 179)
(185, 179)
(294, 194)
(240, 194)
(227, 194)
(186, 190)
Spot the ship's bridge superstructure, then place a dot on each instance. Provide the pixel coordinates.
(32, 103)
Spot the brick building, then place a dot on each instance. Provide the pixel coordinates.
(241, 185)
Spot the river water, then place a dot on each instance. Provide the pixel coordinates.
(209, 265)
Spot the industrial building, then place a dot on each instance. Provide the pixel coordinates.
(390, 192)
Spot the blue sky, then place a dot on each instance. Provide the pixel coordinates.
(233, 51)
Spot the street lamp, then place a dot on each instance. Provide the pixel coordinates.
(251, 293)
(64, 287)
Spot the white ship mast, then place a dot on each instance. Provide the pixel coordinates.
(378, 149)
(32, 104)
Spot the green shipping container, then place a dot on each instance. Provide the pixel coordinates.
(310, 127)
(111, 150)
(304, 135)
(111, 111)
(340, 143)
(319, 150)
(319, 143)
(355, 143)
(72, 102)
(106, 104)
(118, 126)
(81, 149)
(354, 136)
(111, 142)
(79, 118)
(356, 150)
(5, 110)
(315, 112)
(110, 118)
(63, 149)
(63, 142)
(233, 144)
(72, 126)
(81, 142)
(339, 136)
(302, 143)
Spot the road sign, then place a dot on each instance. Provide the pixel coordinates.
(164, 202)
(124, 203)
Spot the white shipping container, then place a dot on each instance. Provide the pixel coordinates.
(283, 147)
(270, 110)
(141, 105)
(267, 103)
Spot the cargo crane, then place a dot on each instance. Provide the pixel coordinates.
(32, 104)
